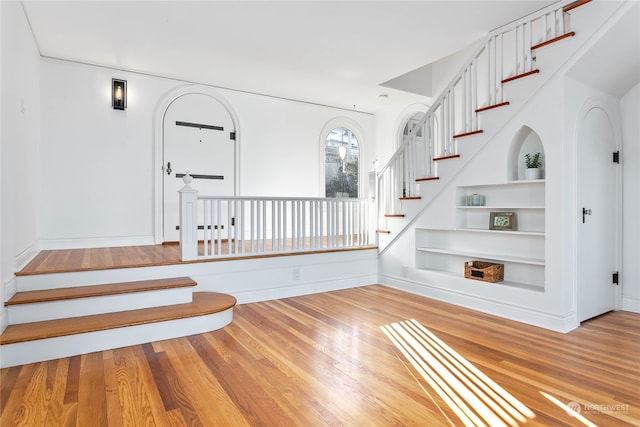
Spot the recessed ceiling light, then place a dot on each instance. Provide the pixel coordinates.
(383, 96)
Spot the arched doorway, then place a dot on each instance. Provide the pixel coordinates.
(196, 131)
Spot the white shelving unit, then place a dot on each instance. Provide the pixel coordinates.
(520, 250)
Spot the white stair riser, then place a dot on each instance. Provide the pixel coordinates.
(73, 345)
(49, 310)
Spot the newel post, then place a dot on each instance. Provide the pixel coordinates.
(188, 220)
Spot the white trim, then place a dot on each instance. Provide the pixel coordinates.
(353, 126)
(24, 257)
(96, 242)
(158, 142)
(543, 319)
(631, 304)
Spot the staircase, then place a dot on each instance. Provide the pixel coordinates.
(497, 80)
(60, 322)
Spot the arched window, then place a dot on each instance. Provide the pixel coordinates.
(341, 155)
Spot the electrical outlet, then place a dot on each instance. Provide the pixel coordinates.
(296, 273)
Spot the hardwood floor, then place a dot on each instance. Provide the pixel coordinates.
(68, 260)
(326, 360)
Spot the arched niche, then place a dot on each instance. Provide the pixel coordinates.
(526, 140)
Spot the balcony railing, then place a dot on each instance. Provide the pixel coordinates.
(223, 227)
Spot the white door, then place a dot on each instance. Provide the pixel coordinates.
(597, 216)
(197, 138)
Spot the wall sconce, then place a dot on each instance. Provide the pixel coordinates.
(118, 94)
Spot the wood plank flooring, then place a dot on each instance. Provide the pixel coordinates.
(324, 360)
(68, 260)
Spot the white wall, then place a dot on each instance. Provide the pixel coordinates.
(97, 163)
(19, 146)
(630, 275)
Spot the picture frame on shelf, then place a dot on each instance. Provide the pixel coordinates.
(502, 221)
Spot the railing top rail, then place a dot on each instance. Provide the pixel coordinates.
(436, 103)
(288, 199)
(530, 17)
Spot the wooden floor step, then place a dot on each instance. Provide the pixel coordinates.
(204, 303)
(411, 198)
(60, 294)
(553, 40)
(396, 215)
(473, 132)
(519, 76)
(491, 107)
(429, 178)
(451, 156)
(383, 231)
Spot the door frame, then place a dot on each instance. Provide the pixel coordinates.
(158, 147)
(596, 102)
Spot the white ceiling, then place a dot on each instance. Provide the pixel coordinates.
(327, 52)
(613, 63)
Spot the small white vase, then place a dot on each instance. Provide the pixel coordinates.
(532, 173)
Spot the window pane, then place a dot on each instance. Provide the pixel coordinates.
(341, 163)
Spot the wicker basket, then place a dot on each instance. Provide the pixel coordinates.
(485, 271)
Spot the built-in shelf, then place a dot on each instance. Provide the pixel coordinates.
(506, 232)
(521, 250)
(484, 256)
(508, 183)
(505, 283)
(497, 208)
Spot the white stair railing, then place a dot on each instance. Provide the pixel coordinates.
(506, 53)
(214, 227)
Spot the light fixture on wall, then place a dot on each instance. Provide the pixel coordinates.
(118, 94)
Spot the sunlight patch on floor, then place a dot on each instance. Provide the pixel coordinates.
(475, 398)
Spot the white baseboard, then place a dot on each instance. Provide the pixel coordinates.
(552, 321)
(631, 304)
(24, 257)
(96, 242)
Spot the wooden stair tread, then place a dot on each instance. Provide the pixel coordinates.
(573, 5)
(411, 198)
(394, 215)
(553, 40)
(490, 107)
(59, 294)
(473, 132)
(429, 178)
(452, 156)
(203, 303)
(383, 231)
(519, 76)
